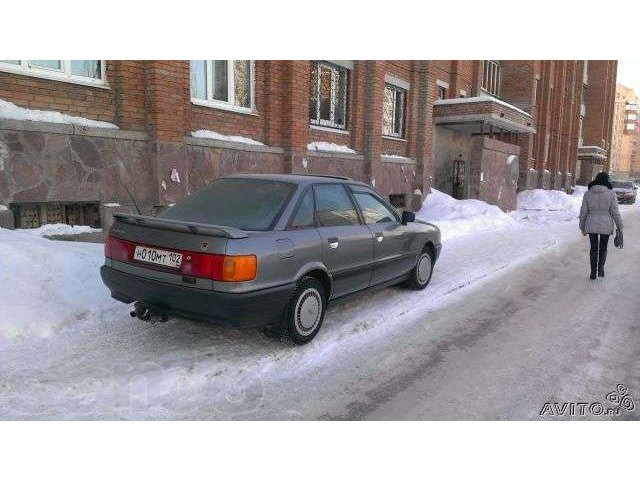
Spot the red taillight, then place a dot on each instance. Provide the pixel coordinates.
(222, 268)
(203, 265)
(118, 249)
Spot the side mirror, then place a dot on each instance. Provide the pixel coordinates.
(408, 217)
(635, 187)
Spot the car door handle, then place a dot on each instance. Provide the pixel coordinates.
(333, 242)
(379, 236)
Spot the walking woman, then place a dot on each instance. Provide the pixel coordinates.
(598, 214)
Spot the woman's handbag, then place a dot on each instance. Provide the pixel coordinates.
(618, 241)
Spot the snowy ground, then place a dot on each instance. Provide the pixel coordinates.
(67, 350)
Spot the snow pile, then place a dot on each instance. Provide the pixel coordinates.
(552, 200)
(547, 206)
(11, 111)
(225, 138)
(329, 147)
(3, 208)
(456, 218)
(111, 205)
(45, 285)
(53, 229)
(579, 190)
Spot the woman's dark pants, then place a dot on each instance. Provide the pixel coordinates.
(598, 253)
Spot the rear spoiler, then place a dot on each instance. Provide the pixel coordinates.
(180, 226)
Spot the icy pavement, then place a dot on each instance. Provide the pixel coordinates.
(74, 353)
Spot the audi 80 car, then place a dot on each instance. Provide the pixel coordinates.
(266, 250)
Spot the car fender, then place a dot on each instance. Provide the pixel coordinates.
(311, 266)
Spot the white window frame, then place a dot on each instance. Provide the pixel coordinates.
(221, 104)
(492, 77)
(335, 71)
(63, 75)
(403, 130)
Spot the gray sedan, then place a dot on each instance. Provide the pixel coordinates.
(268, 250)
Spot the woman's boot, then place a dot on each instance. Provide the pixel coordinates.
(601, 260)
(594, 264)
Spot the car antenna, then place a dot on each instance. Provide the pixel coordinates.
(130, 197)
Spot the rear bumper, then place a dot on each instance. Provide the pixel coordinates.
(231, 309)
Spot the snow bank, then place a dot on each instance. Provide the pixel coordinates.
(543, 207)
(45, 285)
(456, 218)
(548, 200)
(11, 111)
(53, 229)
(329, 147)
(226, 138)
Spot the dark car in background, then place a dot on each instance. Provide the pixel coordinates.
(269, 250)
(625, 190)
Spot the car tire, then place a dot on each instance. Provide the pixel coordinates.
(421, 274)
(303, 315)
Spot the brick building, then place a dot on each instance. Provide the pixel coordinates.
(625, 138)
(474, 129)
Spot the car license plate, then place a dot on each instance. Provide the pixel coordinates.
(157, 257)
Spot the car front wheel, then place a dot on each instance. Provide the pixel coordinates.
(421, 274)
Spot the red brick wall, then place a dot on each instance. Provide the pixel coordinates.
(121, 103)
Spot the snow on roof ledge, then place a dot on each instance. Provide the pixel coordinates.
(329, 147)
(225, 138)
(483, 98)
(11, 111)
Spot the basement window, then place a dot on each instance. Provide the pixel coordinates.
(36, 214)
(398, 200)
(91, 72)
(226, 84)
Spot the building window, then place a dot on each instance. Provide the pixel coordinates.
(442, 92)
(492, 77)
(78, 71)
(223, 83)
(328, 95)
(393, 111)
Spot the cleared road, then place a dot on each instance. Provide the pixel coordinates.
(540, 334)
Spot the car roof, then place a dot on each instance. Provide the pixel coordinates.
(299, 179)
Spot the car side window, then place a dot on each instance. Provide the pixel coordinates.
(373, 210)
(303, 217)
(334, 206)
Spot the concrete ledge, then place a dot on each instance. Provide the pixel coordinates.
(336, 155)
(69, 129)
(396, 159)
(488, 118)
(209, 142)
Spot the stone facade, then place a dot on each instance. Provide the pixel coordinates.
(154, 157)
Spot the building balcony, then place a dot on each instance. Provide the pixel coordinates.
(592, 153)
(481, 115)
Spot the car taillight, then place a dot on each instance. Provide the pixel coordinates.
(221, 268)
(239, 268)
(118, 249)
(213, 266)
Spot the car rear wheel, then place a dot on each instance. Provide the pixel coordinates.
(422, 272)
(304, 313)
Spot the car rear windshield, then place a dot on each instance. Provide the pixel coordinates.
(615, 184)
(244, 203)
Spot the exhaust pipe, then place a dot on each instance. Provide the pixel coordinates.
(144, 313)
